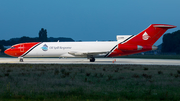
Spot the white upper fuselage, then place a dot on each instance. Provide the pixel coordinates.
(71, 49)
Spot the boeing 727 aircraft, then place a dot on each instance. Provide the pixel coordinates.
(125, 45)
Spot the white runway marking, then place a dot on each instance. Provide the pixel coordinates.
(86, 61)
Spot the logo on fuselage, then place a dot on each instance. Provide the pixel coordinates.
(44, 47)
(145, 36)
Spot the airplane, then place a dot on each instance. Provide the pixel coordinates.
(125, 45)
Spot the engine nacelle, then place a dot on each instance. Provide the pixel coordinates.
(125, 47)
(129, 47)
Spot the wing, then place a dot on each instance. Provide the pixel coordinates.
(86, 53)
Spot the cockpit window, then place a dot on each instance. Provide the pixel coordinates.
(12, 47)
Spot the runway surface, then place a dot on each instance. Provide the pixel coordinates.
(9, 60)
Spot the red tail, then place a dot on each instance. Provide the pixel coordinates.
(150, 35)
(141, 42)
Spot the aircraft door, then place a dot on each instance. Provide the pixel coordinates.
(21, 48)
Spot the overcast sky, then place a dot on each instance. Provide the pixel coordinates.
(87, 20)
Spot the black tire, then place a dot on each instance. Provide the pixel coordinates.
(92, 59)
(21, 60)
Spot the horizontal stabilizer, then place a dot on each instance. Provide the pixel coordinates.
(164, 26)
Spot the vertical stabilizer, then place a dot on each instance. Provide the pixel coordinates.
(150, 35)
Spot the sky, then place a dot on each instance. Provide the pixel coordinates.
(86, 20)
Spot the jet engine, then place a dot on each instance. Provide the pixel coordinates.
(125, 47)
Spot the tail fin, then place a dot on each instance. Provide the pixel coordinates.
(150, 35)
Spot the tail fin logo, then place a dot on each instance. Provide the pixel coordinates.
(145, 36)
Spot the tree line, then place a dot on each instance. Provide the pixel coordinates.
(42, 38)
(171, 43)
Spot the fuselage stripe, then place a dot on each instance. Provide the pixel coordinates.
(110, 51)
(117, 45)
(30, 49)
(127, 39)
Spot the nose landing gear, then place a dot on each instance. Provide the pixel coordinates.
(21, 59)
(92, 59)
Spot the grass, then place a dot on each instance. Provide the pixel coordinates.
(89, 82)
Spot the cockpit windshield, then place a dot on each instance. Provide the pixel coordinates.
(12, 47)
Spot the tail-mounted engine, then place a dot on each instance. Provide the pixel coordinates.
(125, 47)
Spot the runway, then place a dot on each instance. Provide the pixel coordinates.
(131, 61)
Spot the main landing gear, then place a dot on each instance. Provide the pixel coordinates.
(92, 59)
(21, 59)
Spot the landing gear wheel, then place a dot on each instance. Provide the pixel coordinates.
(21, 59)
(92, 59)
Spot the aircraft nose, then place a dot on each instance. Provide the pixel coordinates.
(13, 51)
(8, 52)
(19, 49)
